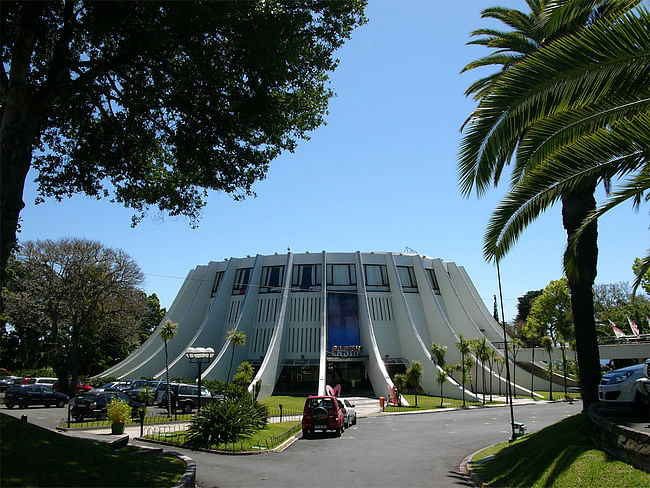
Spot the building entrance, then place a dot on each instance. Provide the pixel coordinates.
(351, 374)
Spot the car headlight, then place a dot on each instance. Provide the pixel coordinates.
(620, 378)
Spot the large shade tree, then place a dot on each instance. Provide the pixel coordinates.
(572, 102)
(69, 294)
(154, 103)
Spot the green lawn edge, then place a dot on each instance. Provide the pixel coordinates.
(561, 455)
(35, 457)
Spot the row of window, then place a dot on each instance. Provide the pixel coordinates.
(309, 277)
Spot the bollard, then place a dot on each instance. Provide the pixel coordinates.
(280, 405)
(23, 418)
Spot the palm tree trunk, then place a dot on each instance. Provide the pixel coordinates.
(169, 396)
(566, 394)
(232, 359)
(550, 375)
(575, 208)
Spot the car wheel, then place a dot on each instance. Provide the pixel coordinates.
(48, 405)
(61, 403)
(339, 431)
(305, 434)
(355, 420)
(187, 407)
(23, 405)
(10, 405)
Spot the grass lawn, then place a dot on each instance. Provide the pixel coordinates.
(426, 402)
(269, 437)
(560, 455)
(32, 456)
(288, 402)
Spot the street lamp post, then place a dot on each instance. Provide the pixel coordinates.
(198, 355)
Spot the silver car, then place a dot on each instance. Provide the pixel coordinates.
(350, 412)
(619, 386)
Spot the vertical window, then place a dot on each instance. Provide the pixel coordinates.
(306, 276)
(434, 281)
(407, 278)
(341, 274)
(242, 276)
(215, 284)
(376, 277)
(271, 279)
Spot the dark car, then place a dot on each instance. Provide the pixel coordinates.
(7, 381)
(92, 404)
(322, 413)
(151, 386)
(34, 394)
(184, 396)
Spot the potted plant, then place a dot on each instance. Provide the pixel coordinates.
(119, 412)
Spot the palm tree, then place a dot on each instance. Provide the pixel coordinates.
(441, 379)
(484, 357)
(524, 115)
(414, 376)
(463, 346)
(167, 332)
(235, 338)
(438, 353)
(244, 374)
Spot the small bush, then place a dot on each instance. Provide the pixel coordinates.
(118, 411)
(226, 421)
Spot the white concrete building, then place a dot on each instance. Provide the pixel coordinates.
(312, 320)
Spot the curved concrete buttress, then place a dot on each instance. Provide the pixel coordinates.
(205, 334)
(154, 344)
(271, 367)
(412, 344)
(187, 323)
(218, 368)
(377, 373)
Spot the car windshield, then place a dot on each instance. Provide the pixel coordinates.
(86, 397)
(321, 402)
(108, 385)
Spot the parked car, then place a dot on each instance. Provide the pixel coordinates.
(34, 394)
(92, 404)
(40, 380)
(619, 386)
(322, 413)
(81, 387)
(183, 396)
(349, 412)
(643, 387)
(7, 381)
(152, 385)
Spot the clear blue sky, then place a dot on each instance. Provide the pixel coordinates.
(380, 176)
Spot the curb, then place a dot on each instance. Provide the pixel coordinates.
(188, 480)
(466, 469)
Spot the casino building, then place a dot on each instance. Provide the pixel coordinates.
(314, 319)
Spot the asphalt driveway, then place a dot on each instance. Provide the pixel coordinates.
(398, 450)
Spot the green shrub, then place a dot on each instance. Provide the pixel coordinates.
(226, 421)
(118, 411)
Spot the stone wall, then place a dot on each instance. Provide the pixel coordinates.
(628, 445)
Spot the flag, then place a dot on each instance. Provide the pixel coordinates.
(634, 327)
(617, 332)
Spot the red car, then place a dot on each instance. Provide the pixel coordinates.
(81, 387)
(322, 413)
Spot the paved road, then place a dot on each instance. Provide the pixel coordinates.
(397, 450)
(405, 450)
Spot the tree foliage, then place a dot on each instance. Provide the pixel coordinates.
(550, 314)
(71, 295)
(154, 103)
